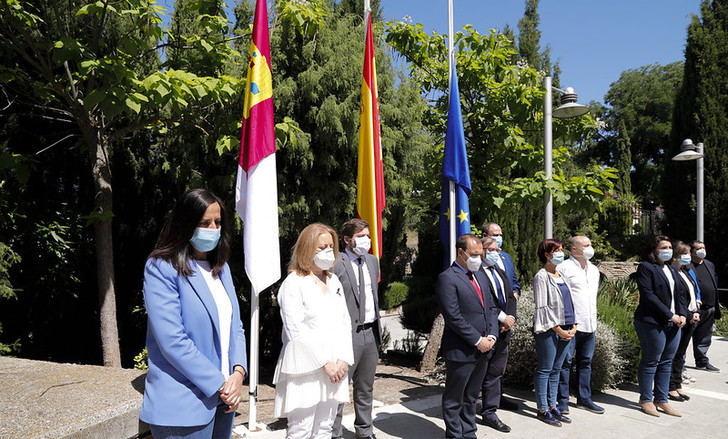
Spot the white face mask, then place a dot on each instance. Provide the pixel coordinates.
(700, 253)
(362, 245)
(474, 263)
(588, 252)
(324, 259)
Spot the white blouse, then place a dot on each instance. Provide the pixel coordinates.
(693, 305)
(224, 313)
(316, 330)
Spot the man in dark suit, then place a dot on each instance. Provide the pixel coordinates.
(709, 306)
(358, 272)
(494, 231)
(506, 306)
(471, 331)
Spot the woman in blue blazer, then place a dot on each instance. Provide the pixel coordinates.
(657, 320)
(195, 338)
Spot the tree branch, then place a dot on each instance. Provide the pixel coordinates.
(55, 143)
(70, 80)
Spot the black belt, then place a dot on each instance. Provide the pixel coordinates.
(365, 326)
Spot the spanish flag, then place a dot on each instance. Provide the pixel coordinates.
(370, 176)
(256, 192)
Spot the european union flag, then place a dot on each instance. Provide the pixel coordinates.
(455, 169)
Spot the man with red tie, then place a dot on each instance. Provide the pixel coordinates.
(471, 330)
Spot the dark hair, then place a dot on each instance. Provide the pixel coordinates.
(354, 225)
(547, 246)
(173, 244)
(695, 241)
(463, 240)
(652, 246)
(487, 226)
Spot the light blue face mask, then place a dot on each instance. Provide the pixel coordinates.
(557, 258)
(499, 241)
(665, 254)
(491, 258)
(204, 239)
(685, 259)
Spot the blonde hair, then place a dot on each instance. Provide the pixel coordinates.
(307, 246)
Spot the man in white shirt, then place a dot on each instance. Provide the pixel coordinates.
(582, 277)
(358, 272)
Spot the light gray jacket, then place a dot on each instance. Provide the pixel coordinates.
(549, 303)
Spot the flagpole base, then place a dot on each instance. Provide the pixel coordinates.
(256, 430)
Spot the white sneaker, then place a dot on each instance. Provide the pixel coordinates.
(687, 379)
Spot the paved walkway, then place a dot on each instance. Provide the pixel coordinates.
(704, 416)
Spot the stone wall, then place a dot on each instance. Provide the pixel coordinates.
(617, 270)
(40, 399)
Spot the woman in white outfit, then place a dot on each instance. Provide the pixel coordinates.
(311, 375)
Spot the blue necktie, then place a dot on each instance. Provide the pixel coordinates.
(498, 288)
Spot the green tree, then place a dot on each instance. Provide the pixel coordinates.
(701, 113)
(623, 160)
(642, 99)
(84, 63)
(501, 105)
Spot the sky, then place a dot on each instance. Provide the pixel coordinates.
(594, 41)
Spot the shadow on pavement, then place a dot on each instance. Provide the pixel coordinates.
(409, 426)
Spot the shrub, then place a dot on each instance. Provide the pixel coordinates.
(721, 326)
(616, 302)
(608, 364)
(395, 294)
(421, 307)
(141, 360)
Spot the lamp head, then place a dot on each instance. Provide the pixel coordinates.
(689, 151)
(569, 108)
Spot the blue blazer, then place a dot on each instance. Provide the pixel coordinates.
(655, 298)
(466, 320)
(184, 347)
(510, 271)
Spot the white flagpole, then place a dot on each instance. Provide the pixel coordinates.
(451, 60)
(253, 366)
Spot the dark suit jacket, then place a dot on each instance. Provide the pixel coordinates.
(511, 304)
(466, 320)
(510, 272)
(345, 273)
(654, 306)
(711, 270)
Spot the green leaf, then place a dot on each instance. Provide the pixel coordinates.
(133, 105)
(207, 46)
(140, 97)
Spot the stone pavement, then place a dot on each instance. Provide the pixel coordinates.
(418, 413)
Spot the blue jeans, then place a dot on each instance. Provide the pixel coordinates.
(582, 349)
(658, 343)
(550, 352)
(220, 427)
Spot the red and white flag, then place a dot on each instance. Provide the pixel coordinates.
(256, 191)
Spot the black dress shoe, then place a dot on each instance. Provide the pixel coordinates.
(506, 404)
(710, 368)
(678, 398)
(496, 424)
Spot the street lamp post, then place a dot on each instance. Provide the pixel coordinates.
(568, 109)
(690, 151)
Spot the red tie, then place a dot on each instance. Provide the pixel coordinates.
(477, 288)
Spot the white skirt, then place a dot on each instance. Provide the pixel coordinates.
(307, 390)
